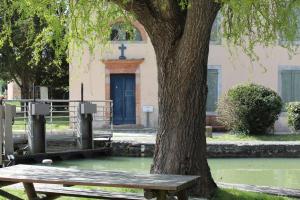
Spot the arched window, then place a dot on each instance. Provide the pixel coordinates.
(122, 32)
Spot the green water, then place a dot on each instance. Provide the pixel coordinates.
(257, 171)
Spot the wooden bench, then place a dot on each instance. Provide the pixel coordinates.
(91, 193)
(154, 185)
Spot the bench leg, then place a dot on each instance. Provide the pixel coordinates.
(30, 191)
(182, 195)
(161, 195)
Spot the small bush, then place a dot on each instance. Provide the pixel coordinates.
(293, 110)
(249, 108)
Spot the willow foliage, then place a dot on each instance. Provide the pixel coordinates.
(245, 22)
(250, 22)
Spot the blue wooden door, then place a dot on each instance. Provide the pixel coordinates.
(122, 91)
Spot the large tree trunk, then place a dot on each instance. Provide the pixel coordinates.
(182, 78)
(181, 42)
(181, 141)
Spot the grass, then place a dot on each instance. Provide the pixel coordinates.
(221, 194)
(230, 194)
(243, 137)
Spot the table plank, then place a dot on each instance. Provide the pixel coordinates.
(56, 175)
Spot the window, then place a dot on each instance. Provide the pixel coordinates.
(122, 32)
(213, 89)
(290, 85)
(215, 36)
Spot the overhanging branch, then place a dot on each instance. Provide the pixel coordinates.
(139, 8)
(200, 16)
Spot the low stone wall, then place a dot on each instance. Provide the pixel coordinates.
(220, 149)
(255, 149)
(132, 149)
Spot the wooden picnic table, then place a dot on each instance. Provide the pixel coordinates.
(159, 185)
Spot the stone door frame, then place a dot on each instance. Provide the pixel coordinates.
(128, 66)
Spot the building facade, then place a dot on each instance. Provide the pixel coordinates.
(126, 72)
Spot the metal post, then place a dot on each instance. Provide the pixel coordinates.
(37, 133)
(33, 91)
(86, 130)
(85, 112)
(51, 116)
(81, 92)
(10, 111)
(37, 139)
(1, 134)
(148, 119)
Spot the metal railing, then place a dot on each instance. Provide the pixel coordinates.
(63, 116)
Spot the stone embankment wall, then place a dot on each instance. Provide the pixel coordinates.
(262, 149)
(220, 149)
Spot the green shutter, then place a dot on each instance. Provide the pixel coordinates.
(212, 84)
(296, 85)
(286, 86)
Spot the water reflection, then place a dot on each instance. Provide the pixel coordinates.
(258, 171)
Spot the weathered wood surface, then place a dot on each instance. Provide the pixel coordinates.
(54, 175)
(263, 189)
(96, 194)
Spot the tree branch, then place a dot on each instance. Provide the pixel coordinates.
(140, 8)
(167, 9)
(200, 15)
(154, 16)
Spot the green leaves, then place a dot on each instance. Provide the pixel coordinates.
(250, 22)
(293, 111)
(249, 108)
(74, 23)
(82, 22)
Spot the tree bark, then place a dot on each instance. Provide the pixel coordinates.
(26, 90)
(181, 142)
(181, 42)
